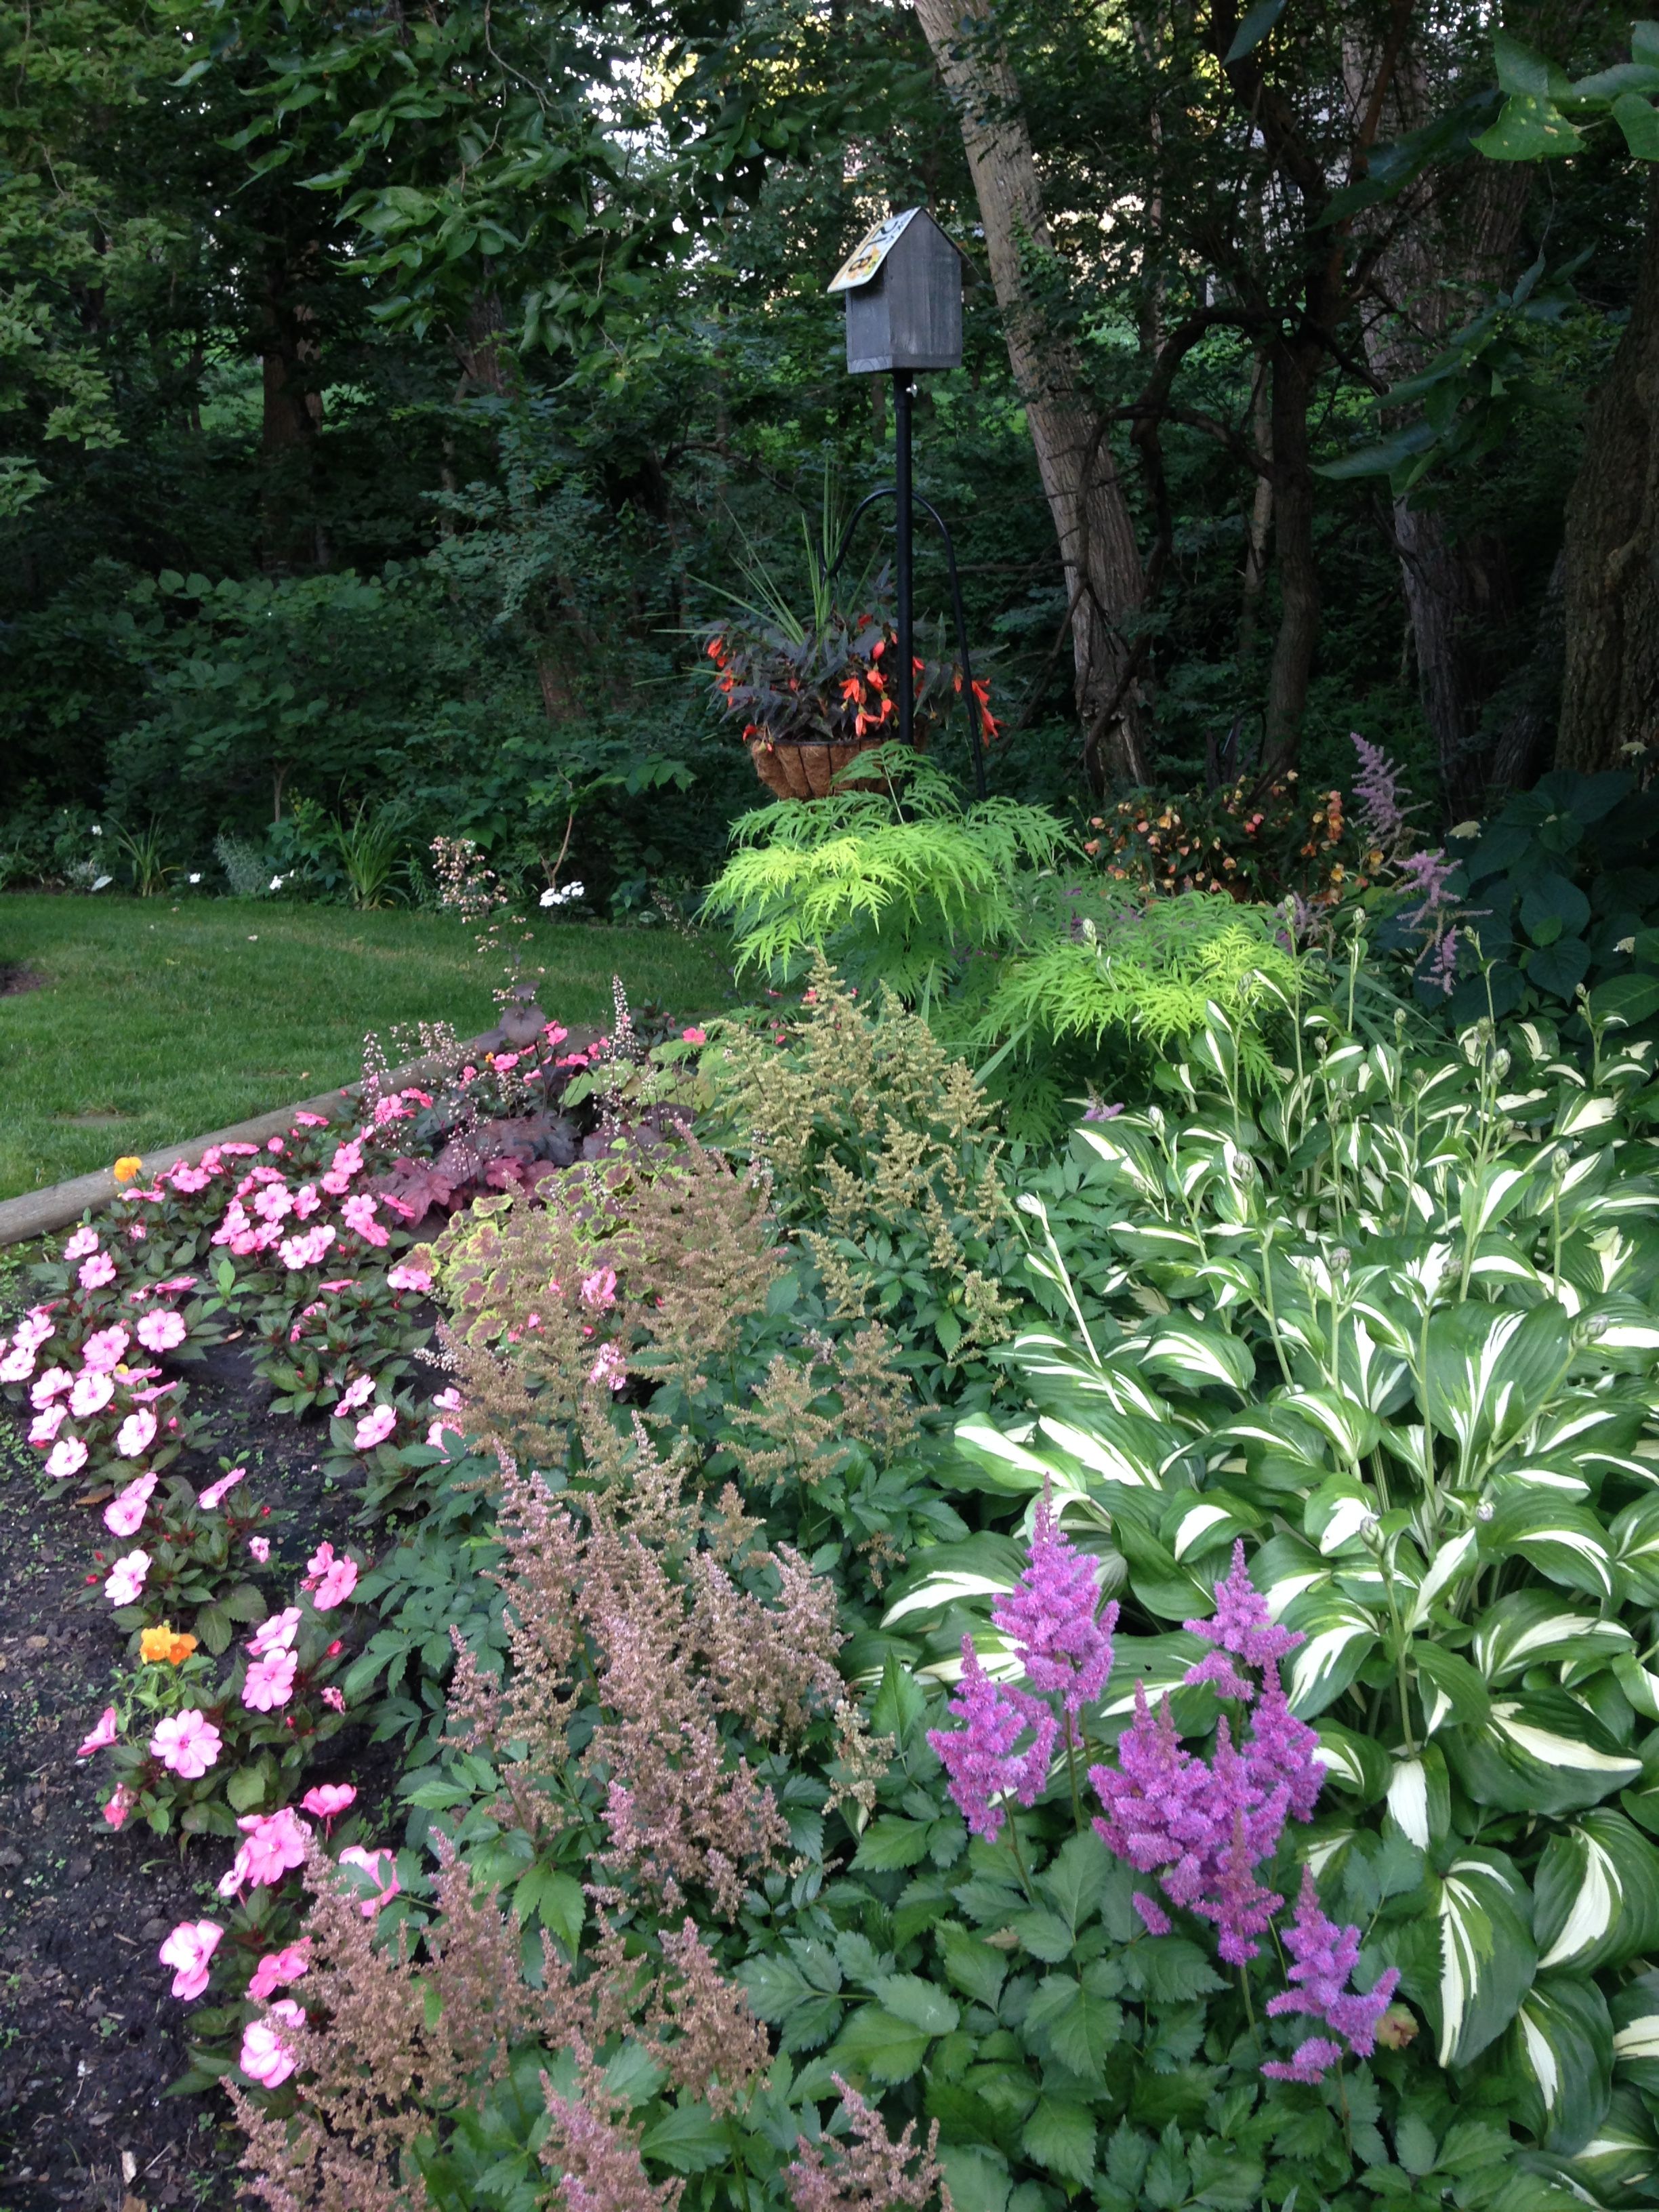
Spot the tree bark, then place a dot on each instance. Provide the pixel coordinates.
(1294, 368)
(1099, 555)
(291, 417)
(1610, 691)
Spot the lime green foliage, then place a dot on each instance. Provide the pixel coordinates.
(893, 885)
(163, 1023)
(1150, 973)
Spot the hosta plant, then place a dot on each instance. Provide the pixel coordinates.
(1394, 1330)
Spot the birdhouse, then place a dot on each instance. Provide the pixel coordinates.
(904, 288)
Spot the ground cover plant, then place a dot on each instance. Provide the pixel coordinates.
(1181, 1737)
(150, 1026)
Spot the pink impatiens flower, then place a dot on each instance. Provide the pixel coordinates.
(331, 1580)
(120, 1804)
(274, 1202)
(405, 1278)
(135, 1434)
(265, 2057)
(599, 1289)
(276, 1634)
(124, 1514)
(91, 1394)
(272, 1843)
(82, 1244)
(96, 1274)
(162, 1332)
(260, 1548)
(102, 1736)
(381, 1867)
(355, 1393)
(278, 1967)
(186, 1744)
(53, 1385)
(610, 1368)
(126, 1578)
(359, 1213)
(375, 1428)
(67, 1457)
(104, 1347)
(270, 1681)
(213, 1497)
(307, 1249)
(43, 1430)
(328, 1800)
(332, 1697)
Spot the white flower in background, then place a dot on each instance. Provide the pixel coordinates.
(196, 879)
(96, 831)
(551, 897)
(100, 882)
(276, 883)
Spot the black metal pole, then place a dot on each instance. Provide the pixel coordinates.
(903, 579)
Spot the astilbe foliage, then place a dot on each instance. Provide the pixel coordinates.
(798, 1424)
(873, 1134)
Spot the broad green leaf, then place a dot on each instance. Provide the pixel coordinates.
(1528, 129)
(1358, 1764)
(1060, 2135)
(1634, 1536)
(687, 2138)
(1561, 2054)
(1456, 1558)
(1196, 1356)
(1597, 1895)
(891, 1843)
(1340, 1635)
(1419, 1798)
(920, 2004)
(874, 2042)
(975, 1967)
(1078, 2025)
(1486, 1959)
(983, 1566)
(1621, 2156)
(1254, 26)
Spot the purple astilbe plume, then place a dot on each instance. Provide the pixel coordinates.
(1161, 1811)
(1425, 875)
(1310, 2062)
(978, 1754)
(1440, 968)
(1282, 1750)
(1325, 1955)
(1240, 1625)
(1050, 1617)
(1377, 787)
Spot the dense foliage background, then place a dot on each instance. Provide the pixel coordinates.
(384, 398)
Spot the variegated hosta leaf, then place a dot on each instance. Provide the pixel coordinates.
(1419, 1797)
(1565, 1542)
(1113, 1448)
(975, 1571)
(1450, 1689)
(1285, 1569)
(1635, 2010)
(1197, 1523)
(1619, 2159)
(1347, 1425)
(1064, 1382)
(1357, 1764)
(1492, 1370)
(1635, 1537)
(1534, 1626)
(1597, 1895)
(1004, 1459)
(1157, 1664)
(1561, 2055)
(1485, 1200)
(1471, 1962)
(1337, 1513)
(1194, 1357)
(1339, 1635)
(1129, 1158)
(1455, 1560)
(1538, 1752)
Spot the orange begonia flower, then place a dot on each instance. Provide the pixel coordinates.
(165, 1646)
(128, 1168)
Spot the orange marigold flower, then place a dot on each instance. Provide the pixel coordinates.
(128, 1168)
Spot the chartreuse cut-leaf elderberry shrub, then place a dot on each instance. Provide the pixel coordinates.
(1393, 1332)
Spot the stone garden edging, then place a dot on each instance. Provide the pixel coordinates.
(37, 1212)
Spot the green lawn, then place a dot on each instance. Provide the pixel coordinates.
(157, 1022)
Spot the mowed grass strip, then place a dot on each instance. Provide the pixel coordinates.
(153, 1023)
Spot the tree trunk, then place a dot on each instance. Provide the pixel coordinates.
(1610, 694)
(1294, 370)
(1259, 522)
(291, 416)
(1104, 583)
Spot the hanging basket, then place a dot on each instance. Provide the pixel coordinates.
(808, 770)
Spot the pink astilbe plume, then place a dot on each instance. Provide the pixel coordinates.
(1325, 1956)
(871, 2173)
(1050, 1618)
(1310, 2062)
(1381, 820)
(1242, 1624)
(978, 1754)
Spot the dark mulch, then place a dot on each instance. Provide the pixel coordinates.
(90, 2037)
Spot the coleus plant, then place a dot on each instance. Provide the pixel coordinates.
(1393, 1328)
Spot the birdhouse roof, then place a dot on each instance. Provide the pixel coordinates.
(865, 259)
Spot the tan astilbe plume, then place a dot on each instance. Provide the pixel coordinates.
(717, 2048)
(594, 2158)
(768, 1664)
(872, 2173)
(390, 2045)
